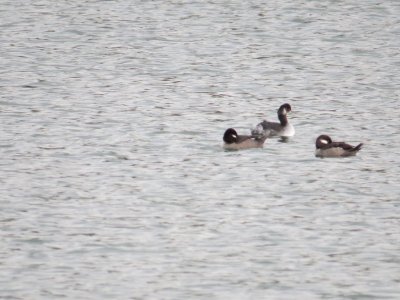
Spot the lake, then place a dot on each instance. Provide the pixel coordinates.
(113, 180)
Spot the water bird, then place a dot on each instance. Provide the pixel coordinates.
(234, 141)
(325, 147)
(283, 128)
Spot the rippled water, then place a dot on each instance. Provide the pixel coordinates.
(113, 181)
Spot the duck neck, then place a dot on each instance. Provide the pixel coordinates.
(283, 119)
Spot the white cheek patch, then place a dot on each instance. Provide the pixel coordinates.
(324, 142)
(284, 111)
(235, 136)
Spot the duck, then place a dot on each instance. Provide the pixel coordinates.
(325, 147)
(233, 141)
(282, 129)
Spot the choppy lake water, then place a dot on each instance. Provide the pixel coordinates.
(113, 181)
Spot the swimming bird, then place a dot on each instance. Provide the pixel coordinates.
(325, 147)
(233, 141)
(283, 128)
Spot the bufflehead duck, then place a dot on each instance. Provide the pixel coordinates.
(326, 148)
(233, 141)
(283, 128)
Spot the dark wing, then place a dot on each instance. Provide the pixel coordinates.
(344, 146)
(258, 138)
(266, 128)
(271, 125)
(358, 147)
(242, 138)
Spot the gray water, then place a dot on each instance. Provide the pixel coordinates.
(113, 181)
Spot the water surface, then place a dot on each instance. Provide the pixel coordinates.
(113, 182)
